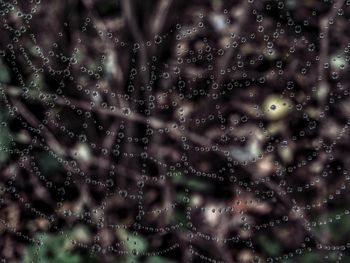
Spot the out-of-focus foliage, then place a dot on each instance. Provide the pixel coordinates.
(174, 131)
(52, 249)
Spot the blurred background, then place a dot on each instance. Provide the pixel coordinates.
(174, 131)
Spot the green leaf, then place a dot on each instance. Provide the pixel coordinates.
(192, 183)
(307, 257)
(197, 185)
(52, 250)
(47, 162)
(338, 224)
(270, 247)
(5, 143)
(157, 259)
(134, 244)
(5, 76)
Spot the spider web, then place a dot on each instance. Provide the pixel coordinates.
(174, 132)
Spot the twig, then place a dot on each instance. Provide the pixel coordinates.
(223, 62)
(32, 120)
(160, 16)
(177, 133)
(324, 41)
(138, 37)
